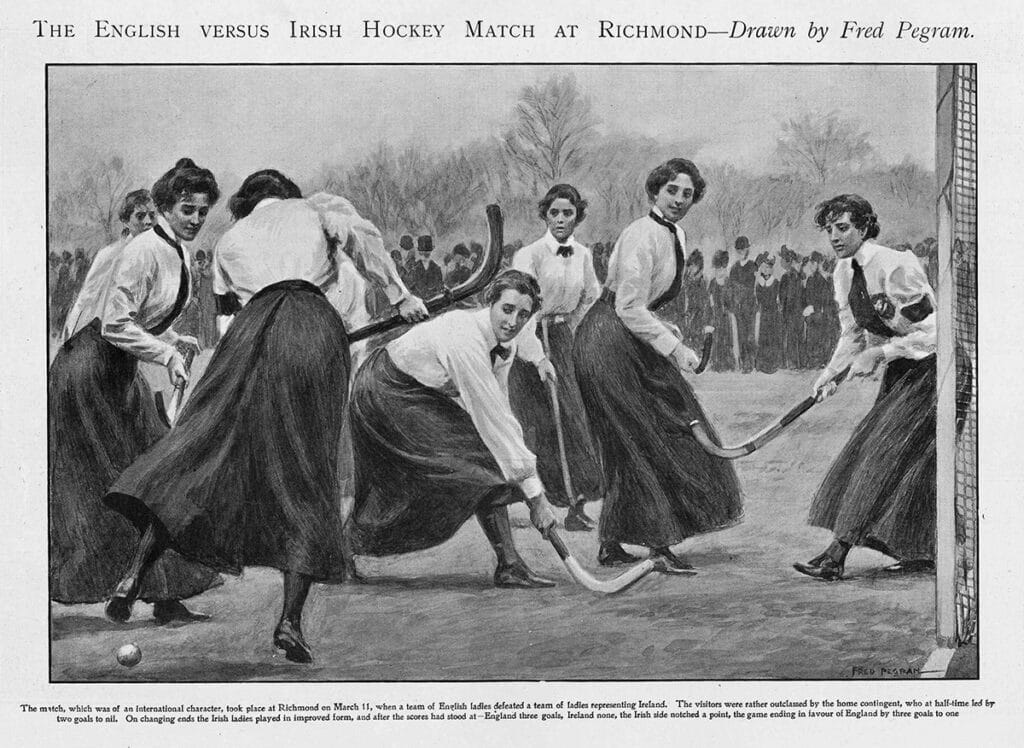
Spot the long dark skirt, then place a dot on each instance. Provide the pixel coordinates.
(422, 469)
(249, 474)
(531, 404)
(880, 491)
(102, 416)
(769, 342)
(663, 487)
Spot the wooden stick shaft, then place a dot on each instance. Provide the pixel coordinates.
(556, 412)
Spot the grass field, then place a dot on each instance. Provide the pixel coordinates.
(435, 615)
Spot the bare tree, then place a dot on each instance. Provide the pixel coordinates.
(102, 188)
(553, 124)
(372, 186)
(780, 200)
(62, 221)
(822, 145)
(910, 183)
(729, 199)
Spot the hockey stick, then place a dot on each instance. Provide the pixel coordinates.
(168, 412)
(476, 282)
(603, 586)
(556, 412)
(762, 437)
(705, 352)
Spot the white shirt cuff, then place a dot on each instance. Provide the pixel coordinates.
(665, 343)
(165, 355)
(532, 487)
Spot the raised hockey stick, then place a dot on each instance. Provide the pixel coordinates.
(474, 285)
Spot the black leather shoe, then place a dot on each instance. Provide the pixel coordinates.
(672, 563)
(613, 554)
(577, 521)
(288, 638)
(911, 566)
(829, 570)
(119, 606)
(174, 611)
(520, 576)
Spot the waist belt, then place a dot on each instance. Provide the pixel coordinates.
(293, 284)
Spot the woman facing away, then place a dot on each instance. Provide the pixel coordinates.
(102, 412)
(249, 476)
(564, 269)
(662, 486)
(880, 491)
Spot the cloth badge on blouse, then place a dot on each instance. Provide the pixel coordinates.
(884, 307)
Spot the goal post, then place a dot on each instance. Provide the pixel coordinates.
(956, 541)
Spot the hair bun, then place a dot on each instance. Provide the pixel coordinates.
(185, 163)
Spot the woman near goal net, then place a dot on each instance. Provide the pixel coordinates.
(880, 491)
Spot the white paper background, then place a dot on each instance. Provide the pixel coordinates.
(996, 47)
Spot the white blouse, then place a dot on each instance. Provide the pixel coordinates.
(895, 282)
(452, 353)
(568, 287)
(142, 293)
(641, 268)
(93, 295)
(287, 240)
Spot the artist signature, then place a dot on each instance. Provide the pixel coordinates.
(880, 671)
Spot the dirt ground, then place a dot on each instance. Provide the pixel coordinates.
(435, 615)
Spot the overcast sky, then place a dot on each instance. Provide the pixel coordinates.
(235, 120)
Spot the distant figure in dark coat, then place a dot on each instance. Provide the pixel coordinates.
(697, 313)
(791, 292)
(459, 271)
(817, 300)
(722, 357)
(407, 244)
(425, 278)
(768, 324)
(744, 302)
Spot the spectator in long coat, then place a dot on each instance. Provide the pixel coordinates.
(425, 278)
(791, 293)
(744, 302)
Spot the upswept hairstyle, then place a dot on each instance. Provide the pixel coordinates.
(668, 171)
(564, 192)
(862, 215)
(259, 186)
(133, 200)
(515, 280)
(185, 178)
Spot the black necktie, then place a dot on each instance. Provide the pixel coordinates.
(565, 250)
(862, 305)
(183, 283)
(499, 351)
(677, 279)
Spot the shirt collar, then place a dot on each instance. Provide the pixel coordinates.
(866, 253)
(166, 226)
(482, 317)
(552, 243)
(266, 201)
(675, 226)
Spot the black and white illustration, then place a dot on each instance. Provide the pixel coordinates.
(512, 372)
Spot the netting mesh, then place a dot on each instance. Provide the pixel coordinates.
(963, 196)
